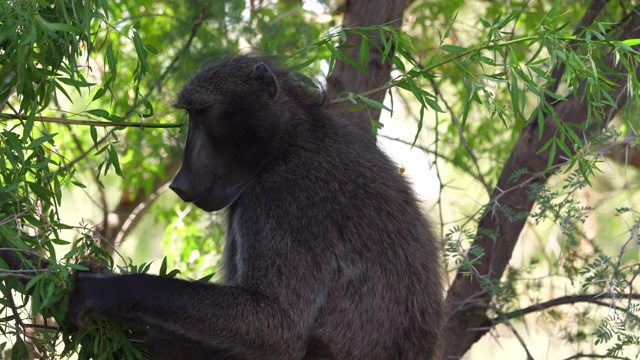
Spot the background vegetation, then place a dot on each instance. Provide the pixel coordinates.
(525, 112)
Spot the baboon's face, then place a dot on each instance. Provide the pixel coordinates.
(227, 136)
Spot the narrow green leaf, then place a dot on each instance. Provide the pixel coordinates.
(206, 278)
(100, 93)
(564, 148)
(49, 294)
(94, 135)
(151, 49)
(541, 122)
(420, 124)
(99, 113)
(141, 52)
(433, 104)
(631, 42)
(515, 92)
(35, 280)
(60, 241)
(373, 103)
(305, 63)
(364, 51)
(78, 184)
(163, 267)
(347, 58)
(552, 155)
(41, 140)
(28, 125)
(114, 160)
(61, 88)
(454, 49)
(61, 27)
(75, 82)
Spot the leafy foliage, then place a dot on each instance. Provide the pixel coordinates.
(86, 89)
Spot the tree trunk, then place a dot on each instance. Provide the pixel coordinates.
(497, 235)
(345, 78)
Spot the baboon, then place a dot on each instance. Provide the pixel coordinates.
(327, 253)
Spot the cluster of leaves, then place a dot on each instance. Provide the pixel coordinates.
(66, 64)
(41, 46)
(503, 76)
(500, 78)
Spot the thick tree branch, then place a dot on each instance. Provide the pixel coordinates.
(497, 234)
(345, 78)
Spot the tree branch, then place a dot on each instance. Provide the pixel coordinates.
(596, 299)
(345, 78)
(497, 233)
(115, 124)
(595, 356)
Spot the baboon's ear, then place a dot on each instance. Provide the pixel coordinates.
(263, 76)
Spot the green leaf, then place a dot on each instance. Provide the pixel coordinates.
(373, 103)
(433, 104)
(100, 93)
(305, 64)
(631, 42)
(206, 278)
(552, 154)
(94, 135)
(41, 140)
(163, 267)
(74, 82)
(565, 149)
(340, 55)
(141, 52)
(114, 160)
(151, 49)
(454, 49)
(78, 184)
(515, 92)
(560, 54)
(99, 112)
(35, 280)
(28, 126)
(61, 27)
(60, 241)
(364, 51)
(47, 298)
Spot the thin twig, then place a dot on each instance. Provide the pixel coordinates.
(154, 87)
(596, 299)
(463, 139)
(114, 124)
(595, 356)
(506, 321)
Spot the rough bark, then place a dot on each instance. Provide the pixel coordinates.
(345, 78)
(468, 299)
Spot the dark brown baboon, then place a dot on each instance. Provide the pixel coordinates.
(327, 255)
